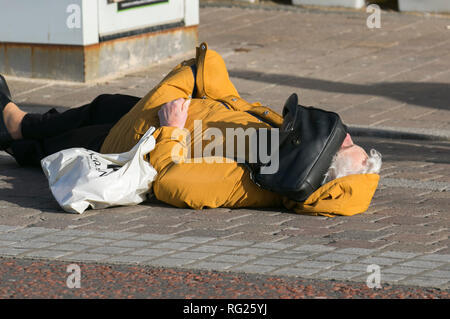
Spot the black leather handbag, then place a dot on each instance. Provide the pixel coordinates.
(308, 140)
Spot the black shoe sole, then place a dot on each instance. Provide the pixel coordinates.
(4, 88)
(5, 98)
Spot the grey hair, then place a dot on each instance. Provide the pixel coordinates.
(341, 166)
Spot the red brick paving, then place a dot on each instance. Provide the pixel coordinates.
(22, 278)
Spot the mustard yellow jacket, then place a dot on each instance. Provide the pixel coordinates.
(203, 183)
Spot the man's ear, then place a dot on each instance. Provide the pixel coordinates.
(348, 141)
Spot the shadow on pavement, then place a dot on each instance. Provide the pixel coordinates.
(25, 187)
(432, 95)
(408, 150)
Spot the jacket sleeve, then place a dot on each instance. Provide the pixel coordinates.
(179, 83)
(208, 183)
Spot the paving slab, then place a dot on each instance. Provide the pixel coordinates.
(391, 87)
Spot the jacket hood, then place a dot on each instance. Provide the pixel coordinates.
(348, 195)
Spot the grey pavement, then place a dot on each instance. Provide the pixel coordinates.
(391, 85)
(313, 261)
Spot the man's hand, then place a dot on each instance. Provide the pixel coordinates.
(174, 113)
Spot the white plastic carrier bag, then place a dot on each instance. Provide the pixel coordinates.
(80, 178)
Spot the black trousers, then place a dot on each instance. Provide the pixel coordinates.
(86, 126)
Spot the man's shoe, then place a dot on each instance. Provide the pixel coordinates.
(5, 98)
(4, 87)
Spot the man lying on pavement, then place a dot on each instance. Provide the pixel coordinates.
(195, 102)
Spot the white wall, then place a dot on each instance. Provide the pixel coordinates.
(424, 5)
(191, 12)
(45, 21)
(112, 21)
(336, 3)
